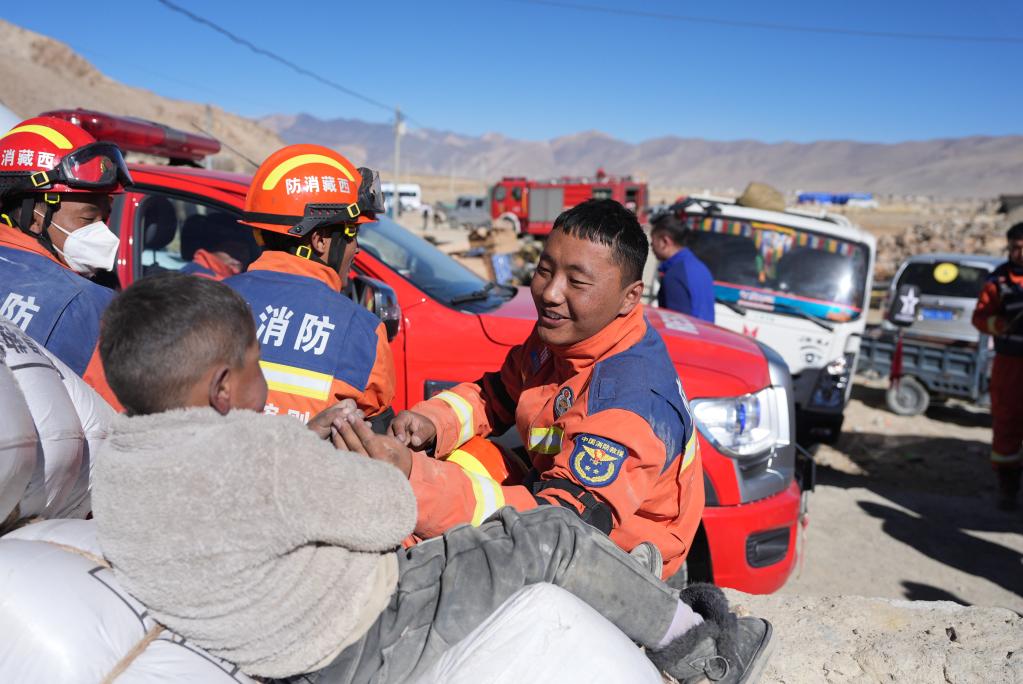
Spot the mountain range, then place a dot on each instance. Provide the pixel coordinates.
(958, 167)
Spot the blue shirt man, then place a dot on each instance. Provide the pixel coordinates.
(687, 285)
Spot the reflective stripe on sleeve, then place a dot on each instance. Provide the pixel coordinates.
(487, 492)
(546, 440)
(294, 380)
(463, 410)
(691, 447)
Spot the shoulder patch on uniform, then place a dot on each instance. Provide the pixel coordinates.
(595, 460)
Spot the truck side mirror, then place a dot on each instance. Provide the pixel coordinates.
(378, 298)
(902, 309)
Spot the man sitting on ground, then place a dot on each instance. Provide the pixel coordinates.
(252, 537)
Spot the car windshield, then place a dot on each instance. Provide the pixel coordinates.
(780, 268)
(430, 269)
(944, 279)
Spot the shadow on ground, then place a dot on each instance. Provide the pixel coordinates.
(951, 546)
(955, 412)
(916, 591)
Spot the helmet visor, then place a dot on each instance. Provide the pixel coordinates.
(99, 165)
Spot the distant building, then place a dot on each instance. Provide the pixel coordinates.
(852, 199)
(1009, 203)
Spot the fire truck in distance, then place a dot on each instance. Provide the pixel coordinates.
(530, 206)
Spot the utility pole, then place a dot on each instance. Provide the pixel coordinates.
(208, 162)
(399, 130)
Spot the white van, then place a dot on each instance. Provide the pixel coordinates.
(796, 281)
(410, 193)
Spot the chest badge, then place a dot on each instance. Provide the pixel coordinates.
(563, 402)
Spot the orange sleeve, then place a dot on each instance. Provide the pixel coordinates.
(987, 316)
(379, 392)
(476, 408)
(96, 378)
(456, 491)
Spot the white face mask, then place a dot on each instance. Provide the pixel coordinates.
(89, 249)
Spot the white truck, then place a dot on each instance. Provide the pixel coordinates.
(410, 195)
(797, 281)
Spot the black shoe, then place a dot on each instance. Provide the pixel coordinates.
(724, 649)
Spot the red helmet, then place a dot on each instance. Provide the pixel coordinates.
(303, 187)
(49, 155)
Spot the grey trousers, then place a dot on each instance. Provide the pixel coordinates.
(449, 585)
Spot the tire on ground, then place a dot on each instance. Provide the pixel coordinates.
(907, 397)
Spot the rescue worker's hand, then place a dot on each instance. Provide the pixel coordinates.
(355, 434)
(334, 415)
(414, 430)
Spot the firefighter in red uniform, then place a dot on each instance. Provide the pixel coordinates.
(318, 347)
(55, 187)
(593, 394)
(999, 313)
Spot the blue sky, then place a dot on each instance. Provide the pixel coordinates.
(536, 72)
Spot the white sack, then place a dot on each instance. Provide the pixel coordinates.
(18, 443)
(95, 416)
(65, 620)
(61, 440)
(543, 635)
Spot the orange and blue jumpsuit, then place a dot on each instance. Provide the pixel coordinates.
(54, 305)
(999, 313)
(608, 434)
(318, 346)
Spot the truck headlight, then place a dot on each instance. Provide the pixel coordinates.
(746, 426)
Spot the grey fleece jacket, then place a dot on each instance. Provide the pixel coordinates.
(250, 536)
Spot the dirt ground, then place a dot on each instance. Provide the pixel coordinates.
(904, 509)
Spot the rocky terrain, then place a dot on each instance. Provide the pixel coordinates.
(846, 639)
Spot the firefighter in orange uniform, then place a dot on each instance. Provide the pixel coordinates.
(593, 394)
(999, 313)
(55, 187)
(318, 347)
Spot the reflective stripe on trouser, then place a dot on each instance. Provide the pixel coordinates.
(1006, 460)
(462, 409)
(487, 492)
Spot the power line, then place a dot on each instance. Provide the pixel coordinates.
(274, 56)
(769, 26)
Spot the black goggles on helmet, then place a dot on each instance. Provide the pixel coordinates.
(369, 203)
(98, 166)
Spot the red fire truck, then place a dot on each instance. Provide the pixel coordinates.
(530, 206)
(448, 325)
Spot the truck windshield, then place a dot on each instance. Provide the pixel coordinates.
(945, 279)
(780, 268)
(430, 269)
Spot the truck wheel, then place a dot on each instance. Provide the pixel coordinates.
(908, 397)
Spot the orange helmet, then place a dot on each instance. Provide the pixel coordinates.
(303, 187)
(51, 156)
